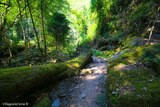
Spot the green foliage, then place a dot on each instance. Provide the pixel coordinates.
(124, 17)
(58, 26)
(103, 54)
(123, 24)
(142, 11)
(116, 6)
(76, 24)
(118, 37)
(93, 5)
(97, 52)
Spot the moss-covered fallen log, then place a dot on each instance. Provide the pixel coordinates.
(21, 81)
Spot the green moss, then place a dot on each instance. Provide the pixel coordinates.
(103, 54)
(138, 85)
(20, 81)
(133, 41)
(148, 55)
(44, 102)
(151, 57)
(135, 87)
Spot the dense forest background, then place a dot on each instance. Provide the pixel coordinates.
(36, 31)
(124, 32)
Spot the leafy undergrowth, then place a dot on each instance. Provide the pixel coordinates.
(133, 78)
(103, 54)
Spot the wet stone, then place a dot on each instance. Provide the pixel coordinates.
(83, 96)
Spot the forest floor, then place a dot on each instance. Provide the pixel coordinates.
(88, 90)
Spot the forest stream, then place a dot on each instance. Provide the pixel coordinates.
(82, 91)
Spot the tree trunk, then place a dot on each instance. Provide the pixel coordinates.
(43, 32)
(34, 27)
(27, 26)
(154, 22)
(4, 34)
(23, 32)
(150, 35)
(56, 47)
(8, 48)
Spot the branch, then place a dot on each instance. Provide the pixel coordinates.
(4, 4)
(14, 20)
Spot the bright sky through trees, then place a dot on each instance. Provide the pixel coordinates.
(79, 4)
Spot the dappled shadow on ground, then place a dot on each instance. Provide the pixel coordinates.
(84, 90)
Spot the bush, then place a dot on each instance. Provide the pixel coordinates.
(142, 10)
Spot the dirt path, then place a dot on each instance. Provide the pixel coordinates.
(82, 92)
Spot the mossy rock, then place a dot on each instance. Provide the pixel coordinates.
(132, 84)
(135, 88)
(148, 55)
(21, 81)
(134, 41)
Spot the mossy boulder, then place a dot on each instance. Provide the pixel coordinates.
(137, 87)
(133, 78)
(148, 55)
(21, 81)
(134, 41)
